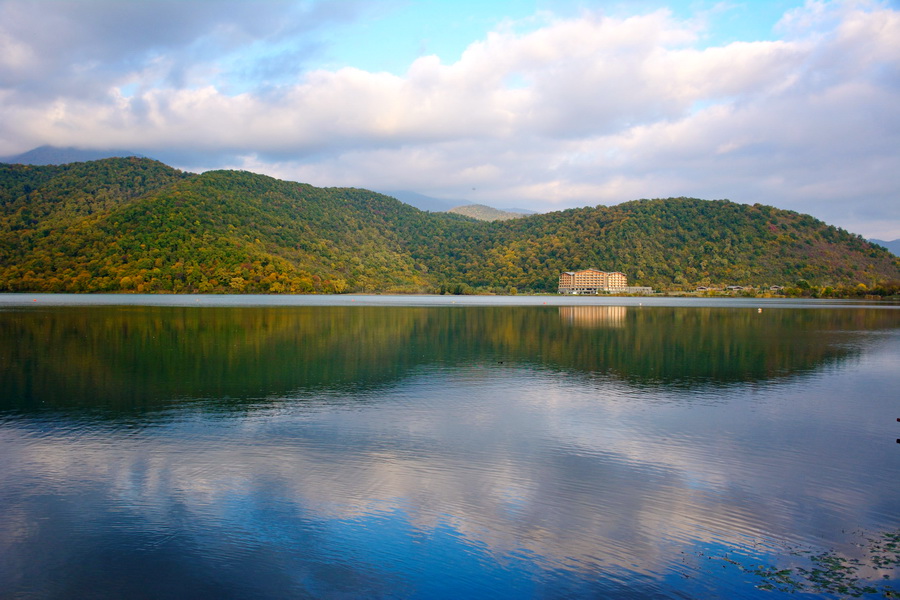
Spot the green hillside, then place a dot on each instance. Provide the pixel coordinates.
(136, 225)
(687, 242)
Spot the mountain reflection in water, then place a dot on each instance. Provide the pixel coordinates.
(440, 452)
(137, 357)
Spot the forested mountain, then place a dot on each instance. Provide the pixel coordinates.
(130, 224)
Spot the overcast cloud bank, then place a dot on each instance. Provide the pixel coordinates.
(549, 114)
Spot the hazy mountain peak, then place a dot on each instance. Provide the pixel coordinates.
(55, 155)
(421, 201)
(485, 213)
(893, 246)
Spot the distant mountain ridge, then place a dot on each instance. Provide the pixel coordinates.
(54, 155)
(893, 246)
(421, 201)
(485, 213)
(432, 204)
(137, 225)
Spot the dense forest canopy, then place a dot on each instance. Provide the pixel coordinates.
(137, 225)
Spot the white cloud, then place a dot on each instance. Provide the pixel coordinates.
(579, 111)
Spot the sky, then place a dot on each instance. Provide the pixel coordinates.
(528, 104)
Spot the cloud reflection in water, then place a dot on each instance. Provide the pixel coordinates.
(472, 472)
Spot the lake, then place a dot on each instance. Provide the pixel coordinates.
(447, 447)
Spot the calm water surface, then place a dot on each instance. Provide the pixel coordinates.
(379, 447)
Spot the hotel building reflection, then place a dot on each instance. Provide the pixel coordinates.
(593, 316)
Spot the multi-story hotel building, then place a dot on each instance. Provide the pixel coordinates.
(591, 281)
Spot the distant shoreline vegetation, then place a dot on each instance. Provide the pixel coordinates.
(887, 292)
(134, 225)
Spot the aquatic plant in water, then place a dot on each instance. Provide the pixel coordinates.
(830, 573)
